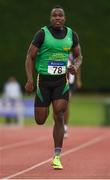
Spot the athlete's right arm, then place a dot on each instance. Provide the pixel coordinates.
(29, 67)
(31, 54)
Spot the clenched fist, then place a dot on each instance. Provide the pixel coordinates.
(29, 87)
(72, 69)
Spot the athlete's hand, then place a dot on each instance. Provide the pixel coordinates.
(29, 87)
(72, 69)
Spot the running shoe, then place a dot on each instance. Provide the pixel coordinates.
(56, 163)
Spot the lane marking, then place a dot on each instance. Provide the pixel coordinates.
(82, 146)
(89, 143)
(23, 143)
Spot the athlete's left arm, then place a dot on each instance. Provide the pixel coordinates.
(76, 50)
(77, 61)
(78, 56)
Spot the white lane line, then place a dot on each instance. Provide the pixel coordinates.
(87, 144)
(23, 143)
(82, 146)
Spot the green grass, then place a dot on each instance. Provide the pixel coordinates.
(84, 110)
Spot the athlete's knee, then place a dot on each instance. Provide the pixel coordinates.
(40, 118)
(59, 114)
(39, 122)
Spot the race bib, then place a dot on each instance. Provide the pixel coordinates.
(56, 67)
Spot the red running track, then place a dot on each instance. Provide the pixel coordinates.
(25, 153)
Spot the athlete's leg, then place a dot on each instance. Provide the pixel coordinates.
(60, 97)
(59, 107)
(42, 101)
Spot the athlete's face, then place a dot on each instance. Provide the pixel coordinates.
(57, 18)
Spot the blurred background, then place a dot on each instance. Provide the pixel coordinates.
(19, 20)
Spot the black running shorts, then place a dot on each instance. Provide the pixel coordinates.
(50, 88)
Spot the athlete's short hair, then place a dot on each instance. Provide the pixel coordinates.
(57, 6)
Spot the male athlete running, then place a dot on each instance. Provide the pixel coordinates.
(50, 49)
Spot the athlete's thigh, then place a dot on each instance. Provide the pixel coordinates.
(61, 92)
(41, 105)
(42, 98)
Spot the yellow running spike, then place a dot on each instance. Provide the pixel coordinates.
(56, 163)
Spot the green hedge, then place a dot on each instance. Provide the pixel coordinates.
(90, 19)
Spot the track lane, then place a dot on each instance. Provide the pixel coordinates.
(39, 169)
